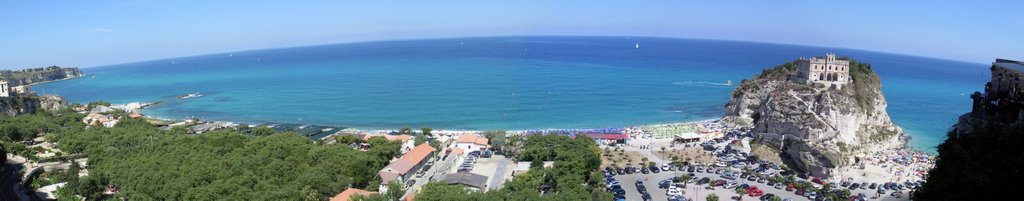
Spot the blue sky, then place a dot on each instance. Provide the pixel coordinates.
(96, 33)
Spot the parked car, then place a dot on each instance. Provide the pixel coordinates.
(731, 185)
(655, 169)
(854, 186)
(620, 171)
(818, 181)
(864, 185)
(674, 192)
(703, 181)
(644, 170)
(664, 184)
(873, 185)
(753, 191)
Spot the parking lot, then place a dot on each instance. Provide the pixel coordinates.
(700, 192)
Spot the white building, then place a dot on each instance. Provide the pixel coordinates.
(472, 142)
(828, 71)
(5, 91)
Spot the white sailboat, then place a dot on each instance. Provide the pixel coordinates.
(637, 45)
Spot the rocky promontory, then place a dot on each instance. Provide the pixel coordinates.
(816, 127)
(38, 75)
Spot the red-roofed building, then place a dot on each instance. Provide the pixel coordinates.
(400, 170)
(348, 193)
(472, 142)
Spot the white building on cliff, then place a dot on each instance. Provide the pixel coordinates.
(828, 71)
(5, 91)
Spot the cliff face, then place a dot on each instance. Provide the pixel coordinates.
(15, 105)
(37, 75)
(981, 158)
(816, 127)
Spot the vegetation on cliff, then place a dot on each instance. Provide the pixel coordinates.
(36, 75)
(149, 163)
(984, 164)
(864, 87)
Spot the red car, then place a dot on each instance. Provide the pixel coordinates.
(818, 181)
(799, 192)
(789, 187)
(753, 191)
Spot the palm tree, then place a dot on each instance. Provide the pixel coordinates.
(741, 192)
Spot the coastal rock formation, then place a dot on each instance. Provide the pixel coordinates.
(38, 75)
(816, 127)
(981, 158)
(15, 105)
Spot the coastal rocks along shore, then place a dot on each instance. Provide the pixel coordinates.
(817, 126)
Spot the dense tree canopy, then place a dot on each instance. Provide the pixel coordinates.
(151, 163)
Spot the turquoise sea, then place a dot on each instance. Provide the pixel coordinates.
(504, 83)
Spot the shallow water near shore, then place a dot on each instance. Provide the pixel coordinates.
(504, 83)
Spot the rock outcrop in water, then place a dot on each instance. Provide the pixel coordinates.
(38, 75)
(816, 127)
(981, 158)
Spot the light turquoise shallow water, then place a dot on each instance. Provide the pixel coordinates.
(504, 83)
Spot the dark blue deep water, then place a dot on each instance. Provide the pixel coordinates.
(504, 83)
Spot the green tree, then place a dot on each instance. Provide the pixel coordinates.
(263, 131)
(497, 139)
(712, 197)
(347, 139)
(427, 131)
(420, 139)
(405, 130)
(740, 192)
(395, 191)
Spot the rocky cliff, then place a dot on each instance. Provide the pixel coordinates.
(15, 105)
(981, 157)
(38, 75)
(816, 127)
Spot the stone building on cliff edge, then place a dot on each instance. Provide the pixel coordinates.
(1002, 100)
(828, 71)
(5, 91)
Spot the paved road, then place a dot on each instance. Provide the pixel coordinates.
(699, 192)
(498, 177)
(10, 185)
